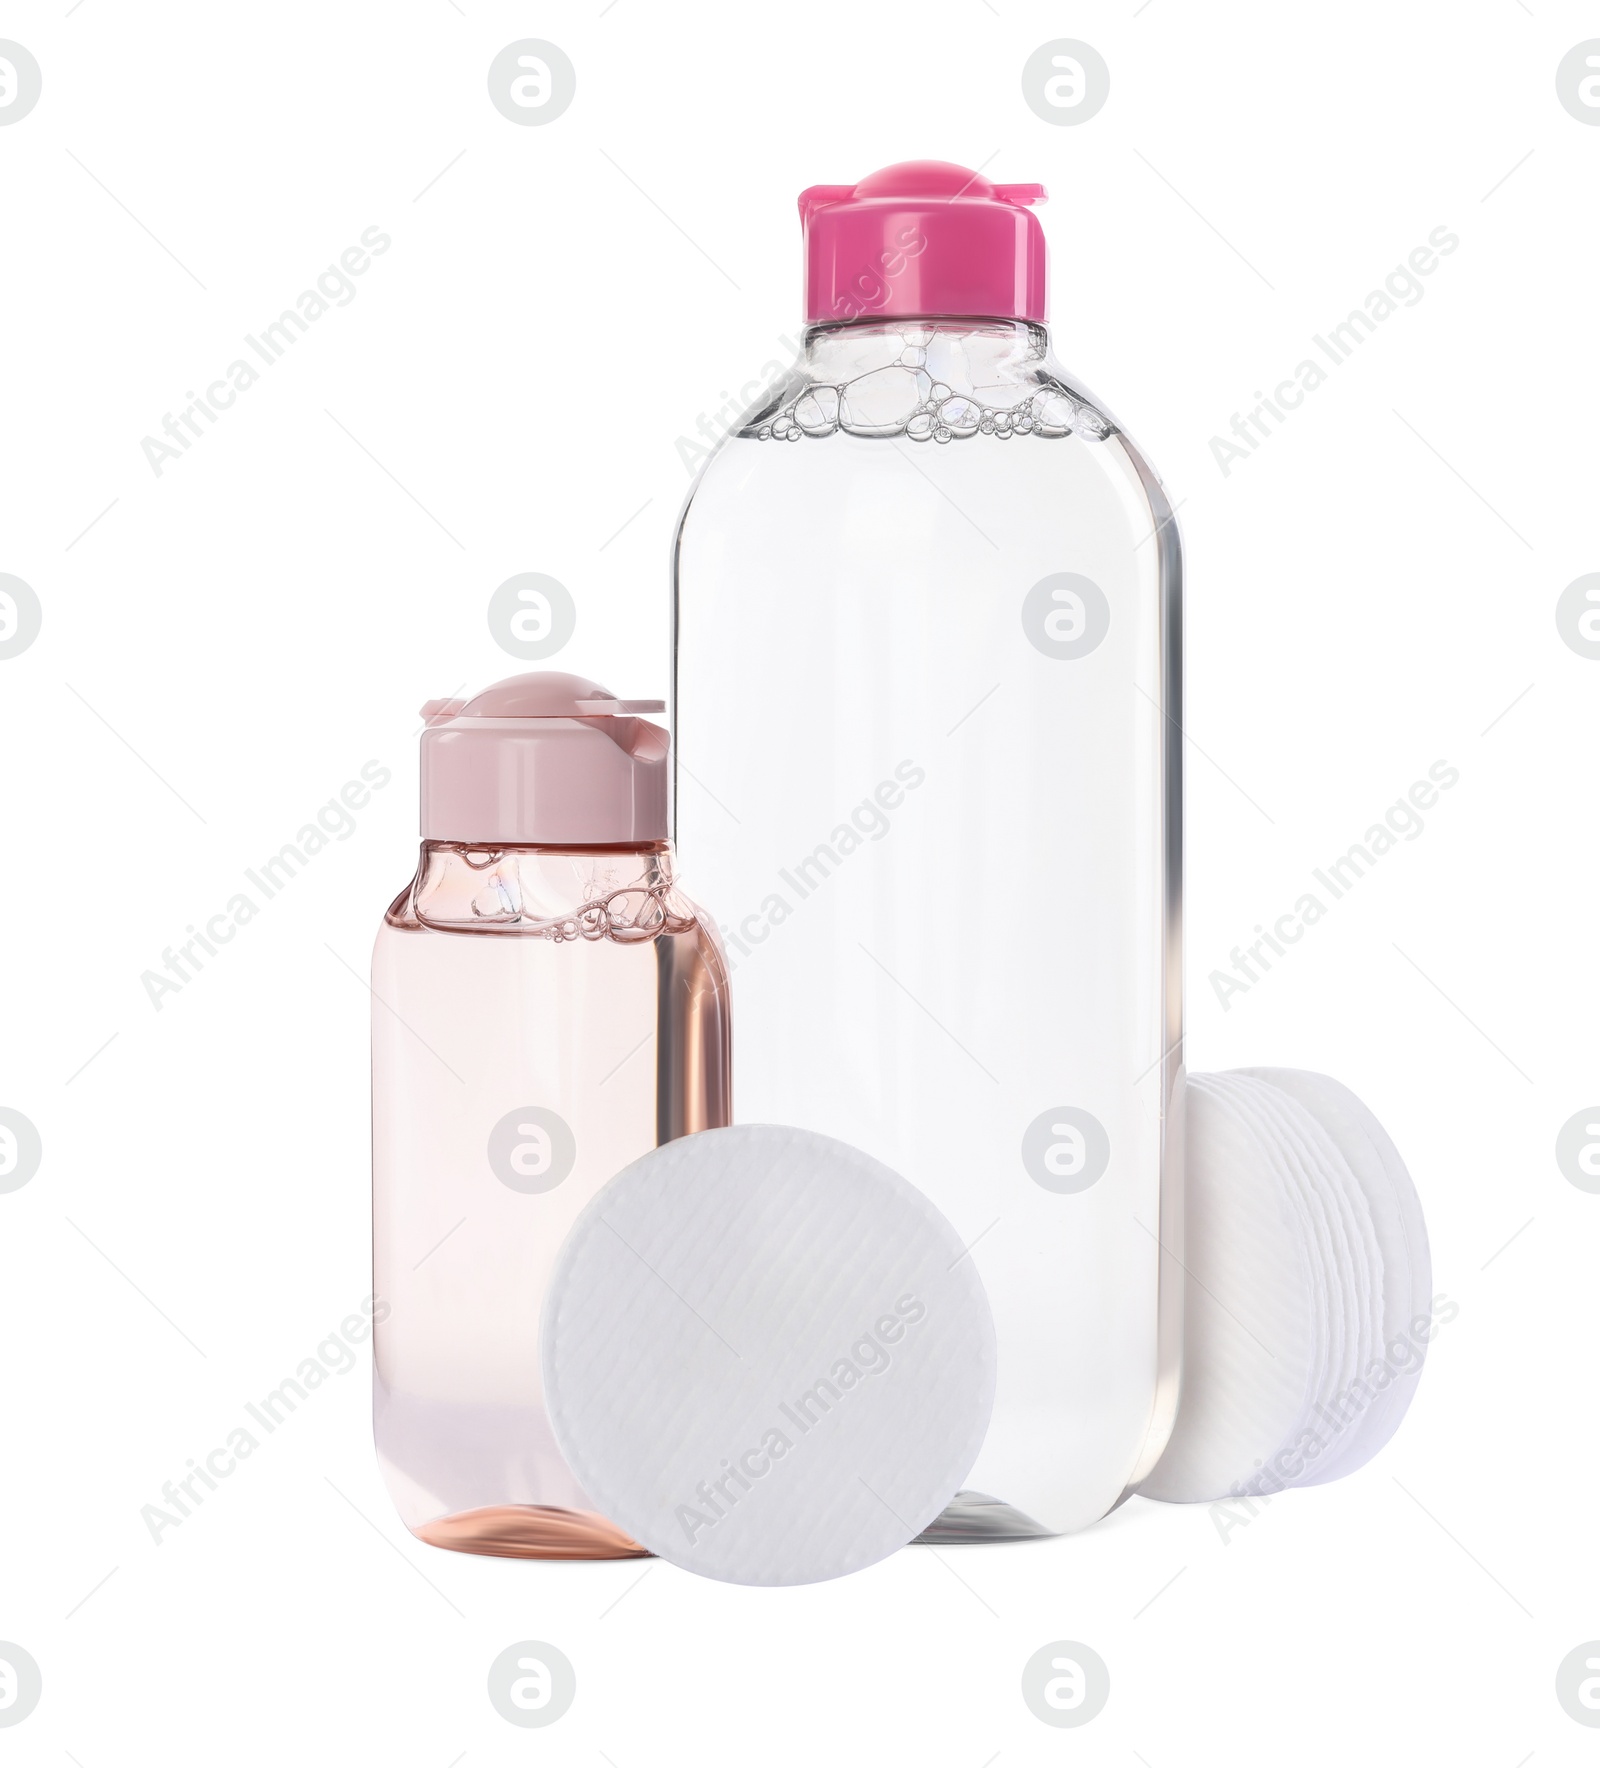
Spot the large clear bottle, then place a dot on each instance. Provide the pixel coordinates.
(927, 702)
(546, 1007)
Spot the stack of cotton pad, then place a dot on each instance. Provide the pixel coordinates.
(1307, 1299)
(766, 1356)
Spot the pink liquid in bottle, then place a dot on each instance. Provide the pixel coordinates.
(546, 1008)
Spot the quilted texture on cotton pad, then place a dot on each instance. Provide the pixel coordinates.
(766, 1356)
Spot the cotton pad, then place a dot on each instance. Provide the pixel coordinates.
(1389, 1379)
(1307, 1272)
(1256, 1309)
(1354, 1274)
(767, 1357)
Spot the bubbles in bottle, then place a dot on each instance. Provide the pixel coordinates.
(905, 397)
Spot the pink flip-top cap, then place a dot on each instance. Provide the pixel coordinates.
(923, 240)
(544, 760)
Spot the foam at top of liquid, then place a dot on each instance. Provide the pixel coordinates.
(928, 384)
(629, 916)
(548, 897)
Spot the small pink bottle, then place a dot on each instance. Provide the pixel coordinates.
(546, 1008)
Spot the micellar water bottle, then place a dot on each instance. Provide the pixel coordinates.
(927, 701)
(546, 1007)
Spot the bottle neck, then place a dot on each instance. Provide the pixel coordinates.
(999, 347)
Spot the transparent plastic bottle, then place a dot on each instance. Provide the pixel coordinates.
(546, 1008)
(927, 703)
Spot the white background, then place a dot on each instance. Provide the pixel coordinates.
(228, 643)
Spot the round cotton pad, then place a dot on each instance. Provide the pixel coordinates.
(1352, 1263)
(766, 1356)
(1339, 1313)
(1384, 1387)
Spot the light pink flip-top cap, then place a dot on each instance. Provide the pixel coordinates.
(923, 240)
(545, 760)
